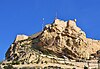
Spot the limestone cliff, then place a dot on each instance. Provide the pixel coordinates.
(60, 39)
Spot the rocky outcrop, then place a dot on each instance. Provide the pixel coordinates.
(66, 39)
(21, 37)
(60, 39)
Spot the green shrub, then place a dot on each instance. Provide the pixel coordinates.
(25, 68)
(9, 67)
(38, 61)
(42, 62)
(15, 62)
(0, 62)
(46, 62)
(85, 67)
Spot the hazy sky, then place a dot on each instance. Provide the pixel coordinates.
(25, 17)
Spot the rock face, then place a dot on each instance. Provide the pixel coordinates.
(58, 39)
(21, 37)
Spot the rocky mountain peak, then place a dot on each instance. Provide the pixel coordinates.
(60, 38)
(63, 34)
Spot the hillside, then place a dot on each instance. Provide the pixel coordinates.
(59, 41)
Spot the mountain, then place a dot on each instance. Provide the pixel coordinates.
(58, 40)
